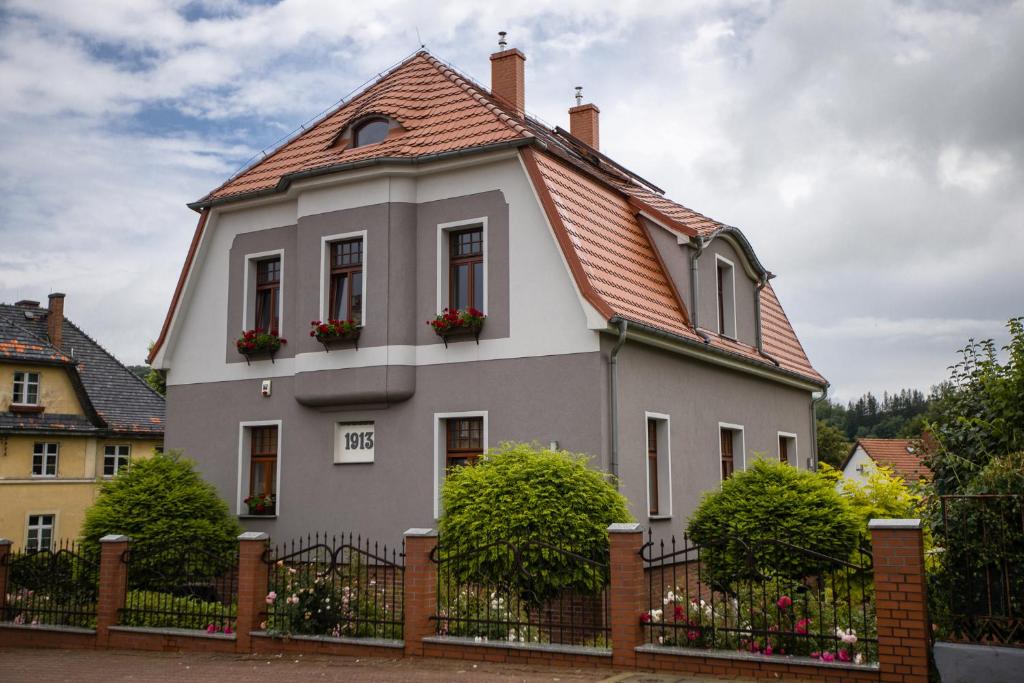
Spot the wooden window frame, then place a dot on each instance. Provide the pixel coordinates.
(441, 446)
(652, 468)
(266, 459)
(348, 271)
(365, 123)
(25, 383)
(38, 528)
(456, 260)
(45, 459)
(736, 461)
(116, 458)
(470, 454)
(272, 286)
(727, 323)
(792, 455)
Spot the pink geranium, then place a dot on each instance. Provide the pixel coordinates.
(784, 602)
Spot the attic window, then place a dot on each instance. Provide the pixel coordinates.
(370, 132)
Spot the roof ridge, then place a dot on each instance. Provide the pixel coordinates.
(113, 358)
(33, 335)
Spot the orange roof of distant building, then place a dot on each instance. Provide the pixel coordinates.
(904, 456)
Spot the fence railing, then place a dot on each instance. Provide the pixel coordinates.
(181, 587)
(338, 586)
(501, 592)
(977, 589)
(55, 587)
(698, 600)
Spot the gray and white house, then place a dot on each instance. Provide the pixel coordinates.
(618, 322)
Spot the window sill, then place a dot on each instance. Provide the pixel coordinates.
(659, 518)
(26, 408)
(44, 476)
(246, 515)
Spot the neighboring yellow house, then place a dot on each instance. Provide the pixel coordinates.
(71, 415)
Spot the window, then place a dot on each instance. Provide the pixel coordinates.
(26, 388)
(370, 132)
(464, 440)
(114, 458)
(44, 460)
(659, 466)
(652, 466)
(268, 295)
(730, 449)
(466, 268)
(40, 533)
(346, 285)
(263, 463)
(787, 448)
(725, 276)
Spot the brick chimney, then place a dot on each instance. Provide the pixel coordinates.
(508, 75)
(55, 319)
(584, 121)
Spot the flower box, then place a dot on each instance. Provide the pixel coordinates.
(262, 504)
(257, 343)
(334, 332)
(452, 323)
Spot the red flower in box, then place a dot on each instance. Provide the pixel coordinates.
(334, 330)
(256, 341)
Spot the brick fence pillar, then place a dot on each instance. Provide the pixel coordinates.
(5, 558)
(901, 601)
(113, 584)
(420, 588)
(626, 592)
(253, 574)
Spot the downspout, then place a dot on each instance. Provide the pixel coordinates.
(694, 281)
(613, 400)
(757, 317)
(814, 427)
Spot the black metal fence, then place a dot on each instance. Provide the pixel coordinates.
(175, 587)
(56, 587)
(977, 583)
(828, 614)
(530, 592)
(337, 586)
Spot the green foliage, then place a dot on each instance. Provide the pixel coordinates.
(166, 610)
(980, 413)
(161, 502)
(896, 415)
(772, 501)
(883, 496)
(520, 493)
(832, 444)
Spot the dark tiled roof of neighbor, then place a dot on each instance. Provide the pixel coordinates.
(123, 402)
(46, 423)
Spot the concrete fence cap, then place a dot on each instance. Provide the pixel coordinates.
(624, 528)
(253, 536)
(115, 538)
(894, 524)
(420, 532)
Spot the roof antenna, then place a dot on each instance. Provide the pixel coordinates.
(579, 95)
(418, 39)
(502, 43)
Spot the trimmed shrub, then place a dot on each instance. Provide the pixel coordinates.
(884, 495)
(520, 494)
(772, 501)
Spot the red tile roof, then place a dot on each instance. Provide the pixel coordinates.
(591, 202)
(897, 454)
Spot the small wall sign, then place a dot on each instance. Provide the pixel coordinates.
(353, 442)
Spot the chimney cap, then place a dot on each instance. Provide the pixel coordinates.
(57, 295)
(579, 95)
(27, 303)
(502, 43)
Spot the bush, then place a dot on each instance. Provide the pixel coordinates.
(519, 494)
(161, 502)
(883, 496)
(165, 610)
(772, 501)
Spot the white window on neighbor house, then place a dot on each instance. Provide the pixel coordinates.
(114, 458)
(725, 273)
(44, 459)
(39, 534)
(462, 265)
(787, 449)
(459, 441)
(731, 453)
(659, 466)
(26, 388)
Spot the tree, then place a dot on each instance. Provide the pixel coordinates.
(884, 495)
(161, 502)
(521, 493)
(832, 444)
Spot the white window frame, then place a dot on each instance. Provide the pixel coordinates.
(443, 232)
(727, 306)
(743, 447)
(25, 383)
(243, 466)
(38, 527)
(665, 484)
(325, 269)
(439, 446)
(116, 456)
(249, 304)
(46, 455)
(794, 457)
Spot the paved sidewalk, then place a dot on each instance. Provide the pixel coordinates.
(111, 666)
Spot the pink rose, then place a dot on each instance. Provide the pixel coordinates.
(211, 629)
(271, 597)
(827, 657)
(784, 602)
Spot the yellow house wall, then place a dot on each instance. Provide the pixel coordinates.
(79, 471)
(56, 393)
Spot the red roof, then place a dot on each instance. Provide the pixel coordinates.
(900, 454)
(591, 202)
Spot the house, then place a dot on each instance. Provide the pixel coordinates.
(618, 322)
(71, 416)
(903, 456)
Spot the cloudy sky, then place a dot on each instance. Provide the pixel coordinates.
(873, 152)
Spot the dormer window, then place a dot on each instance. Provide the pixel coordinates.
(370, 132)
(726, 286)
(26, 388)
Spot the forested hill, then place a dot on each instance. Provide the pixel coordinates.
(897, 415)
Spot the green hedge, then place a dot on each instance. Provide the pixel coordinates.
(164, 610)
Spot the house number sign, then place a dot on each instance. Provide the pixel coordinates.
(353, 442)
